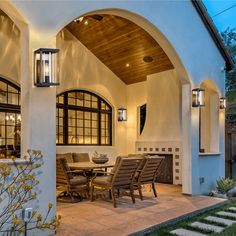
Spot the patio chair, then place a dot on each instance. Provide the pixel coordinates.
(147, 175)
(68, 156)
(80, 157)
(70, 184)
(121, 177)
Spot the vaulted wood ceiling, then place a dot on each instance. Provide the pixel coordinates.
(121, 45)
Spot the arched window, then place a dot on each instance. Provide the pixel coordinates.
(10, 119)
(83, 118)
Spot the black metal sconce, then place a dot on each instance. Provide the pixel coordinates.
(222, 103)
(198, 97)
(46, 67)
(122, 114)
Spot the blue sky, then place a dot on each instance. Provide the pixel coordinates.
(225, 19)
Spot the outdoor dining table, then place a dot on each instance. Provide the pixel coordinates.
(88, 165)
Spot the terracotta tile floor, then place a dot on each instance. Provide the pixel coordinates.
(100, 218)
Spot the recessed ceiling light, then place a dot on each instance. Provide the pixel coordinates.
(127, 65)
(86, 22)
(147, 59)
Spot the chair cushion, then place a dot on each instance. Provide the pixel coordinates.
(103, 180)
(68, 156)
(78, 180)
(81, 157)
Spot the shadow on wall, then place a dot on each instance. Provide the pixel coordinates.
(10, 48)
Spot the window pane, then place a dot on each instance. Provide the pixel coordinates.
(71, 101)
(13, 98)
(3, 86)
(11, 89)
(61, 99)
(3, 96)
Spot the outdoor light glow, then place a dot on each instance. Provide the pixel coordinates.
(127, 65)
(86, 22)
(198, 97)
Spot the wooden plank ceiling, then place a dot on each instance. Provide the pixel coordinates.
(121, 45)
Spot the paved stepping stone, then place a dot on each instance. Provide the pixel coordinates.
(214, 228)
(225, 213)
(185, 232)
(220, 220)
(232, 209)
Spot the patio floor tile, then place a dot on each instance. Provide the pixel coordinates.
(100, 218)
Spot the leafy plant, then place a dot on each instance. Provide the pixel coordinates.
(224, 185)
(17, 188)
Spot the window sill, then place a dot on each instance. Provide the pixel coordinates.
(18, 161)
(209, 154)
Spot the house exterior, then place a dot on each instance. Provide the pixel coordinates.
(196, 59)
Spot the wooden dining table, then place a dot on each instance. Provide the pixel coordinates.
(88, 165)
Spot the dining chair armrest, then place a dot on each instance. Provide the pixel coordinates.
(96, 172)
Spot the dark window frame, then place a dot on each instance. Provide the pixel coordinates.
(10, 108)
(66, 107)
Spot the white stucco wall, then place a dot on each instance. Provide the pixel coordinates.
(177, 28)
(80, 69)
(9, 50)
(136, 97)
(163, 108)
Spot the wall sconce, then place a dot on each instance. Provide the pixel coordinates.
(122, 114)
(222, 103)
(46, 67)
(198, 97)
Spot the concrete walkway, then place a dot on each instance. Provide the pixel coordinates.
(210, 226)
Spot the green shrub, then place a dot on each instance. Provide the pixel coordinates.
(224, 185)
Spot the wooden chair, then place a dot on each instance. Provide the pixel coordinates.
(71, 185)
(80, 157)
(68, 156)
(121, 177)
(147, 175)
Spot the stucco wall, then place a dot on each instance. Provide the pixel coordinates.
(80, 69)
(136, 97)
(163, 108)
(9, 49)
(180, 32)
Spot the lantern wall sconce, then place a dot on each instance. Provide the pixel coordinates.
(46, 67)
(122, 114)
(222, 103)
(198, 97)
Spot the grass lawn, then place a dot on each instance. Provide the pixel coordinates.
(229, 231)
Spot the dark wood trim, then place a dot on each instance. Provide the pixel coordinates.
(66, 107)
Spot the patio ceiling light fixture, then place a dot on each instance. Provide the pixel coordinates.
(46, 67)
(122, 114)
(222, 103)
(198, 97)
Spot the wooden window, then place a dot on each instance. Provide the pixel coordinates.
(83, 118)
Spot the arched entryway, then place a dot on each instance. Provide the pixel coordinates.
(111, 52)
